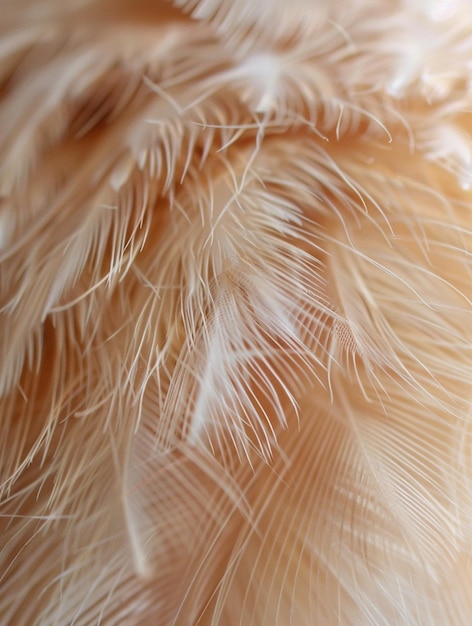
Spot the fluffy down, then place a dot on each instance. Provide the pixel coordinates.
(236, 313)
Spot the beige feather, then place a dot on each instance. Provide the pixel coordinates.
(236, 313)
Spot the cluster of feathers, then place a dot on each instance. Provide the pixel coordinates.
(235, 312)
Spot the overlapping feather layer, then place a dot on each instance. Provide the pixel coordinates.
(236, 316)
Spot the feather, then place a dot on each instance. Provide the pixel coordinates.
(236, 313)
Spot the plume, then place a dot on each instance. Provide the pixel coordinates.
(235, 313)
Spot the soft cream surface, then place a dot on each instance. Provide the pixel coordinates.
(235, 313)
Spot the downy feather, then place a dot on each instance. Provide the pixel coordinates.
(235, 313)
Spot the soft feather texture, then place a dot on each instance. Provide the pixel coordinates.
(236, 312)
